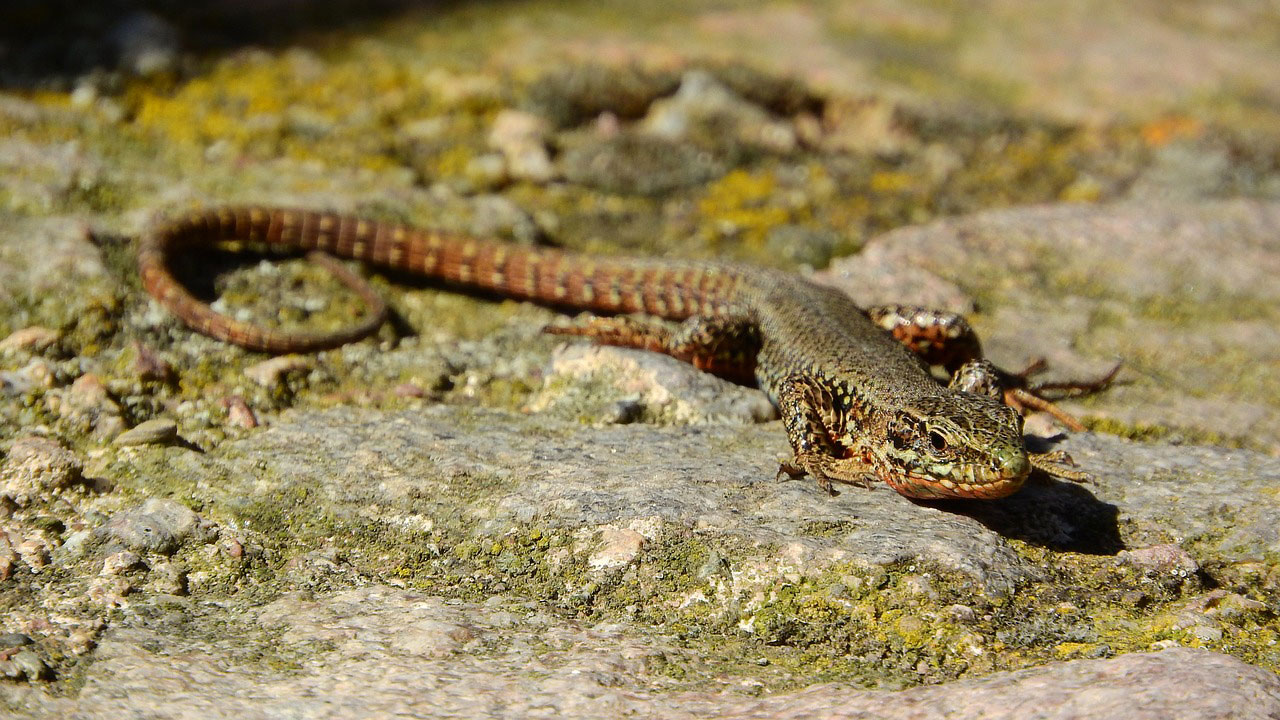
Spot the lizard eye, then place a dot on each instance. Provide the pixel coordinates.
(902, 432)
(938, 442)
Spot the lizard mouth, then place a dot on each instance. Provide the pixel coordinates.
(927, 487)
(951, 480)
(939, 480)
(1000, 474)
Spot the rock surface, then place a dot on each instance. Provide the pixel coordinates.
(389, 651)
(632, 495)
(466, 516)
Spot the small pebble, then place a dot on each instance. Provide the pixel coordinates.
(159, 431)
(160, 525)
(148, 365)
(120, 562)
(270, 373)
(239, 414)
(35, 466)
(167, 578)
(25, 663)
(618, 547)
(34, 552)
(82, 641)
(90, 393)
(1167, 558)
(8, 558)
(408, 390)
(31, 339)
(14, 639)
(961, 613)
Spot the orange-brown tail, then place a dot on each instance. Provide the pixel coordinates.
(668, 289)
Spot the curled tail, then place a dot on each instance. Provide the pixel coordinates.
(667, 289)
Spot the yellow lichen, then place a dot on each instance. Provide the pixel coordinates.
(745, 204)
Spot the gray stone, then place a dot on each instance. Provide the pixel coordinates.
(720, 479)
(13, 640)
(386, 651)
(160, 525)
(157, 431)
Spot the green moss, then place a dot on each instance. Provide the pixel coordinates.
(378, 115)
(731, 607)
(745, 206)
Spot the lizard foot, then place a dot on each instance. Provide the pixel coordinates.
(1017, 391)
(826, 471)
(1021, 394)
(1059, 464)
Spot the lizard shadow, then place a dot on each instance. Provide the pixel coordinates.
(1056, 514)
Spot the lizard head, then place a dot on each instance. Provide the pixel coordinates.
(955, 444)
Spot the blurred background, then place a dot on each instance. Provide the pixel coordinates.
(790, 134)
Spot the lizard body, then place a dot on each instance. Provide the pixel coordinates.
(853, 386)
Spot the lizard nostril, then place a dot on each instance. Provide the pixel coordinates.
(1014, 463)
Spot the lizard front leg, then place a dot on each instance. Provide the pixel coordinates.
(814, 426)
(983, 378)
(724, 345)
(946, 339)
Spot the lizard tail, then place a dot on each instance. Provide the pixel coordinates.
(668, 289)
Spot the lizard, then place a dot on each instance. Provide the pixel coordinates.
(853, 385)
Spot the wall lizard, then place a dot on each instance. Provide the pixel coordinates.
(852, 385)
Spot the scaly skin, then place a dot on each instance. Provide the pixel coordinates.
(856, 402)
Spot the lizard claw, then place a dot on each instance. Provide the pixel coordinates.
(798, 469)
(1022, 395)
(826, 471)
(790, 470)
(1059, 464)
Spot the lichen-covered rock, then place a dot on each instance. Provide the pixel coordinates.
(416, 655)
(35, 467)
(711, 115)
(634, 163)
(159, 525)
(577, 93)
(641, 386)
